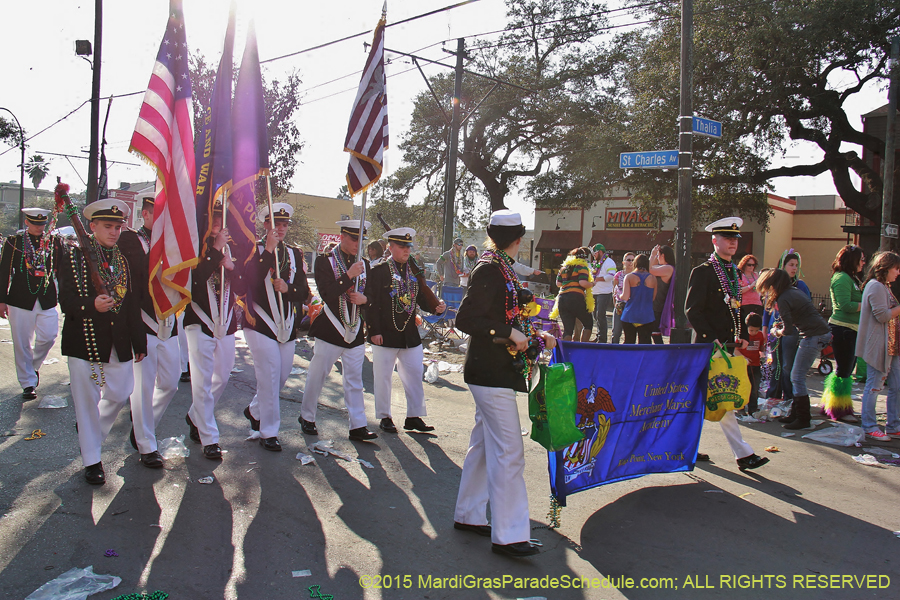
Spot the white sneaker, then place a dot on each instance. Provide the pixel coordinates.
(878, 436)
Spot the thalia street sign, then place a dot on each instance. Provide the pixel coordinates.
(707, 127)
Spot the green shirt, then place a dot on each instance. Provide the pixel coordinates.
(845, 298)
(569, 277)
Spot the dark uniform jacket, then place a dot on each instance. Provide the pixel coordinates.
(16, 284)
(119, 329)
(205, 269)
(330, 290)
(706, 309)
(380, 316)
(482, 315)
(139, 260)
(260, 268)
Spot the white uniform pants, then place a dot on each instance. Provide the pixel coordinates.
(33, 334)
(324, 357)
(96, 408)
(409, 367)
(494, 469)
(183, 344)
(155, 382)
(732, 431)
(213, 360)
(272, 362)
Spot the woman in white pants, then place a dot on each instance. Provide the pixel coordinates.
(494, 469)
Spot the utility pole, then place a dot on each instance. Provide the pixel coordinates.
(685, 165)
(95, 103)
(889, 148)
(450, 187)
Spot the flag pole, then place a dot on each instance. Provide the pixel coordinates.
(362, 227)
(281, 315)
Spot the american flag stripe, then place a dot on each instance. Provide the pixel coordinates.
(163, 136)
(367, 133)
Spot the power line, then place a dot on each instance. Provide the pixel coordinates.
(369, 31)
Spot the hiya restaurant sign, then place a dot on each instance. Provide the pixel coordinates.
(627, 218)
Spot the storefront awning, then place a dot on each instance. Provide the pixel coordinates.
(558, 240)
(620, 242)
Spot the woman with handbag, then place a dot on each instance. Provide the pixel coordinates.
(878, 343)
(494, 468)
(799, 317)
(618, 283)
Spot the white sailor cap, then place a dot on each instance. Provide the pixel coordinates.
(281, 211)
(727, 227)
(38, 216)
(108, 208)
(401, 235)
(505, 218)
(351, 226)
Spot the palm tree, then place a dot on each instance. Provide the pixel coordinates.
(37, 168)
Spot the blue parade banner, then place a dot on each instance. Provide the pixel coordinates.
(640, 407)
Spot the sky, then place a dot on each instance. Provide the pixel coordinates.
(43, 79)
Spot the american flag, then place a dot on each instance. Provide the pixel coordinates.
(367, 135)
(164, 138)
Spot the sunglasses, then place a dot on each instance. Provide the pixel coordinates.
(629, 260)
(750, 264)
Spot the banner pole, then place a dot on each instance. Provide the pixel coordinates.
(222, 267)
(281, 315)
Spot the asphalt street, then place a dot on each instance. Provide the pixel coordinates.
(810, 524)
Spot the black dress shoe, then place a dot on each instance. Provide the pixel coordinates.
(751, 462)
(702, 457)
(38, 375)
(186, 375)
(361, 434)
(482, 530)
(254, 423)
(94, 474)
(388, 425)
(308, 427)
(271, 444)
(192, 429)
(29, 393)
(212, 452)
(516, 550)
(152, 460)
(416, 424)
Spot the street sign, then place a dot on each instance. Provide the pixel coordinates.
(658, 159)
(890, 230)
(707, 127)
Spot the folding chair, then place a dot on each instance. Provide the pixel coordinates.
(452, 297)
(433, 324)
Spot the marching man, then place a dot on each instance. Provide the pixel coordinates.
(100, 336)
(394, 289)
(338, 331)
(276, 284)
(28, 295)
(209, 326)
(155, 377)
(713, 306)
